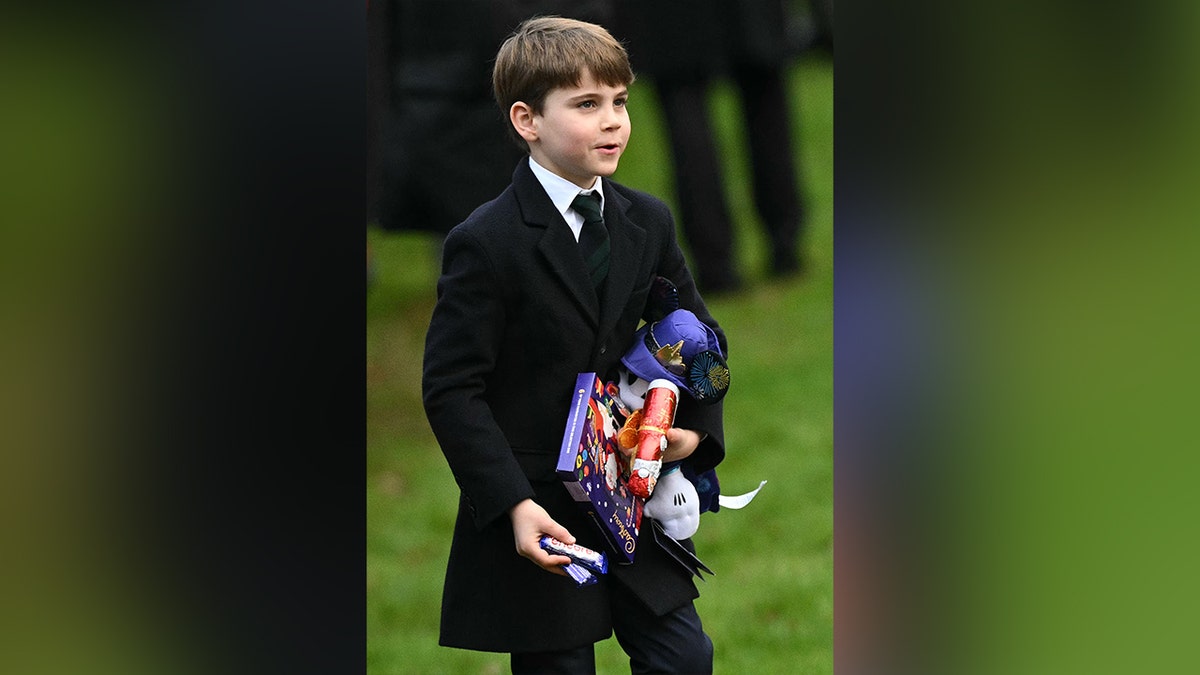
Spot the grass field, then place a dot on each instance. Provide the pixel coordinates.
(769, 609)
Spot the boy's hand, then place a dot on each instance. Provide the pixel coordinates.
(681, 443)
(529, 522)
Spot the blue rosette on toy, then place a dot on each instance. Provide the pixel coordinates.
(708, 376)
(684, 350)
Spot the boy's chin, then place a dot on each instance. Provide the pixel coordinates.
(607, 166)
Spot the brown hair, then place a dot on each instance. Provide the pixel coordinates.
(548, 52)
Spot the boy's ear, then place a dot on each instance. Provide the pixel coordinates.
(523, 120)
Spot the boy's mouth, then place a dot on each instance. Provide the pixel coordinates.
(609, 147)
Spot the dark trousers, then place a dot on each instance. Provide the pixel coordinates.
(703, 210)
(673, 643)
(779, 201)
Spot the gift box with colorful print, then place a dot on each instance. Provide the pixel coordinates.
(592, 468)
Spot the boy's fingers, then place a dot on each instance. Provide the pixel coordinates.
(563, 535)
(676, 435)
(559, 532)
(553, 562)
(548, 562)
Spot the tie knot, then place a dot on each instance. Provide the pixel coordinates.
(588, 206)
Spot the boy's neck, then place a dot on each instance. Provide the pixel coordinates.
(547, 176)
(544, 165)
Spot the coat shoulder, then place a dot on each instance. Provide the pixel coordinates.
(634, 195)
(653, 209)
(502, 209)
(494, 225)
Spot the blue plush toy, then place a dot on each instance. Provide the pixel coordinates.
(680, 348)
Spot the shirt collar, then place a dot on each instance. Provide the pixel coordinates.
(562, 191)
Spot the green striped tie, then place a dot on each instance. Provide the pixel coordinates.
(593, 238)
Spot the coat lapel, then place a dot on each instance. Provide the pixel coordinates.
(626, 239)
(561, 252)
(557, 245)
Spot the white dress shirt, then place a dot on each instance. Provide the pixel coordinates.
(562, 192)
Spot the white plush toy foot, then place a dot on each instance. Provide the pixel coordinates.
(675, 505)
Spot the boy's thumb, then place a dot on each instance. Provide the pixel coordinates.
(560, 533)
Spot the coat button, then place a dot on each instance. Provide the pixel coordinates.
(603, 350)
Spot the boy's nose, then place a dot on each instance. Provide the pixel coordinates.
(612, 119)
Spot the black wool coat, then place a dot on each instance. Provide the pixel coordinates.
(516, 319)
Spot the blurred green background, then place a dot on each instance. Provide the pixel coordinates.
(769, 609)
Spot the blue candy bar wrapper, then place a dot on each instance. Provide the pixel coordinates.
(580, 574)
(594, 561)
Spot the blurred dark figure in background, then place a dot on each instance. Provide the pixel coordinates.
(683, 45)
(820, 35)
(441, 147)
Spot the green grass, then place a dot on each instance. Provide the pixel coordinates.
(769, 609)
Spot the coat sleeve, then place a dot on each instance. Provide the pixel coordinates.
(706, 419)
(461, 349)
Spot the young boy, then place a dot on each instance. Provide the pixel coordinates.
(522, 308)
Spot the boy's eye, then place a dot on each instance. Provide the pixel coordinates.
(620, 103)
(587, 104)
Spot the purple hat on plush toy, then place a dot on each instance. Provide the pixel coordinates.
(680, 348)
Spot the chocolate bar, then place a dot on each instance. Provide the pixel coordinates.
(594, 561)
(580, 574)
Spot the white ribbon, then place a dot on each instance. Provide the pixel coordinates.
(740, 500)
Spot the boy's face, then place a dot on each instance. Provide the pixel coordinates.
(581, 131)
